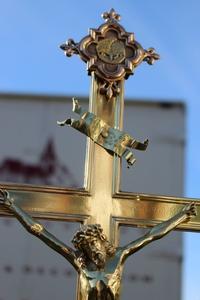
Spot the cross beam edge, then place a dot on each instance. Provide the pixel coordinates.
(142, 210)
(49, 202)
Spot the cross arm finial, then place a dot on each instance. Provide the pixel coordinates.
(70, 48)
(151, 56)
(111, 16)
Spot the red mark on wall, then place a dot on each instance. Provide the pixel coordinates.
(47, 171)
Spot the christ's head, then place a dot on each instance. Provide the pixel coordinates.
(93, 244)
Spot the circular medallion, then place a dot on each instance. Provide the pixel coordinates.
(111, 51)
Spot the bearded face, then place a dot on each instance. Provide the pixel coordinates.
(95, 250)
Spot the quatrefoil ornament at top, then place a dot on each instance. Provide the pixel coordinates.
(110, 52)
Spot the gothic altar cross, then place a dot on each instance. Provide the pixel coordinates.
(102, 170)
(111, 54)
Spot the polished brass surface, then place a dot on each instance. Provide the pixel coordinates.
(111, 52)
(112, 139)
(100, 201)
(97, 261)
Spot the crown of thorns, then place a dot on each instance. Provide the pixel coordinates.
(87, 234)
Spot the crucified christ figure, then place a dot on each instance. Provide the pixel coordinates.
(98, 263)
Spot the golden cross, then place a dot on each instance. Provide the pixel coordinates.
(111, 55)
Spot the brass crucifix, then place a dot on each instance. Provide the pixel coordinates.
(111, 54)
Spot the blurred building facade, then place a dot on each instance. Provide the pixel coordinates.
(35, 151)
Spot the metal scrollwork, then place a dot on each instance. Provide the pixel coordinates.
(109, 89)
(70, 48)
(110, 52)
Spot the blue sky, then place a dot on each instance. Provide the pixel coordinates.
(30, 61)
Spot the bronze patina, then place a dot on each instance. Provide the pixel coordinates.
(100, 201)
(112, 139)
(98, 262)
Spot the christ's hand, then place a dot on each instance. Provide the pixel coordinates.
(190, 210)
(5, 198)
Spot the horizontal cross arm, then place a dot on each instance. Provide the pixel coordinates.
(142, 210)
(49, 203)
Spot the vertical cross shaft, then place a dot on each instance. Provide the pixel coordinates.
(99, 174)
(111, 54)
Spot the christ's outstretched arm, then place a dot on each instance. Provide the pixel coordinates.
(160, 230)
(37, 229)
